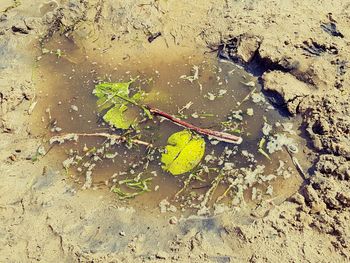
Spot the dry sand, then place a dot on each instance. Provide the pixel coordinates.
(300, 48)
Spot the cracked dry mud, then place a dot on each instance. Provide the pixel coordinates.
(300, 52)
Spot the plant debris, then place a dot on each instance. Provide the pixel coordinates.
(137, 185)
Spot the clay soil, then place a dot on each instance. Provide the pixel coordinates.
(299, 50)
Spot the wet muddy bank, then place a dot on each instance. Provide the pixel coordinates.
(306, 54)
(195, 87)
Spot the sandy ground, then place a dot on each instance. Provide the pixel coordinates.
(299, 48)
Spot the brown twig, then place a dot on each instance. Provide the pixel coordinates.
(221, 136)
(73, 136)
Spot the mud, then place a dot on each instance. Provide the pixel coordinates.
(298, 50)
(65, 77)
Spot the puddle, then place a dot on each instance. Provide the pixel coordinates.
(65, 77)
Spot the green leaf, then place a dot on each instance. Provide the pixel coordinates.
(183, 152)
(138, 96)
(139, 185)
(103, 104)
(115, 97)
(264, 153)
(261, 150)
(106, 88)
(124, 195)
(147, 112)
(115, 117)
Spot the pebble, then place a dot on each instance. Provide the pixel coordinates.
(74, 108)
(292, 148)
(162, 255)
(250, 112)
(250, 84)
(173, 220)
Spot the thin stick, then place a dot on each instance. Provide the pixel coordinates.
(221, 136)
(247, 97)
(69, 136)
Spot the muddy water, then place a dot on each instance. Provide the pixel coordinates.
(65, 77)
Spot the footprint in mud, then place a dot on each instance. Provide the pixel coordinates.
(200, 90)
